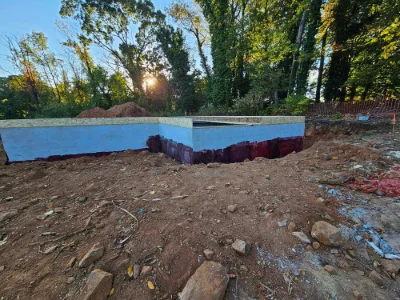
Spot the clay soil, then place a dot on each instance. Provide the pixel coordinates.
(182, 210)
(129, 109)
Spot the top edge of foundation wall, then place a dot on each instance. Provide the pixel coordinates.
(25, 123)
(186, 122)
(253, 120)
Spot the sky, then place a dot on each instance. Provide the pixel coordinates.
(19, 17)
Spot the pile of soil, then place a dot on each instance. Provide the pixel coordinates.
(129, 109)
(96, 112)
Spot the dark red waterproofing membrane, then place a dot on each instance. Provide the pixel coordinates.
(235, 153)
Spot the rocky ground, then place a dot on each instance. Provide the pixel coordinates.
(138, 225)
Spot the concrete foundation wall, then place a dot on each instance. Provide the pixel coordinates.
(26, 140)
(213, 138)
(22, 144)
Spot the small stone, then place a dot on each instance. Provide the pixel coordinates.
(41, 217)
(8, 214)
(292, 227)
(94, 254)
(81, 199)
(357, 295)
(146, 270)
(241, 247)
(352, 253)
(136, 271)
(8, 198)
(330, 269)
(359, 272)
(155, 209)
(224, 211)
(316, 245)
(208, 282)
(2, 268)
(309, 248)
(267, 177)
(213, 165)
(302, 237)
(105, 203)
(348, 257)
(209, 254)
(334, 251)
(58, 210)
(328, 217)
(232, 208)
(98, 286)
(70, 280)
(71, 262)
(244, 269)
(282, 223)
(376, 264)
(320, 200)
(218, 221)
(376, 277)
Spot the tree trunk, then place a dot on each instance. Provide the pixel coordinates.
(203, 58)
(309, 47)
(339, 65)
(295, 63)
(320, 70)
(276, 99)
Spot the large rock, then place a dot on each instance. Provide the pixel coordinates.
(391, 266)
(8, 214)
(327, 234)
(209, 282)
(94, 254)
(98, 286)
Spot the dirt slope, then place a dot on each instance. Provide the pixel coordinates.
(182, 210)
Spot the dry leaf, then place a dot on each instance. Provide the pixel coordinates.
(150, 285)
(130, 271)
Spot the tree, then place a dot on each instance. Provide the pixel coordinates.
(220, 16)
(189, 16)
(172, 44)
(108, 24)
(308, 55)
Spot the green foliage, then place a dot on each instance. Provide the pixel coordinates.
(337, 116)
(250, 105)
(295, 106)
(171, 43)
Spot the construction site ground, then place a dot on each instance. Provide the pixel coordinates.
(60, 209)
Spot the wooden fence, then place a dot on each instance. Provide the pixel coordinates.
(372, 107)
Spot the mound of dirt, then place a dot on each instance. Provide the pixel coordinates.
(129, 109)
(96, 112)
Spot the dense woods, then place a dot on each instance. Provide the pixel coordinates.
(208, 56)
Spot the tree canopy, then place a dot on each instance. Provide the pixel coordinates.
(248, 56)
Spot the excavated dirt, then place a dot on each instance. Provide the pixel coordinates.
(129, 109)
(182, 210)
